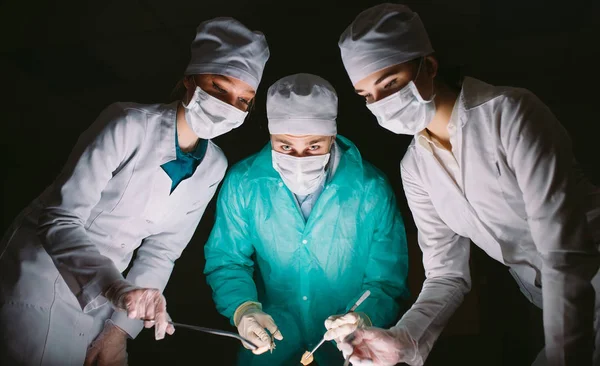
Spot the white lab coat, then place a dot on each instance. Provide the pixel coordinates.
(520, 198)
(111, 198)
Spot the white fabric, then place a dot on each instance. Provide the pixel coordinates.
(224, 46)
(382, 36)
(210, 117)
(405, 111)
(111, 198)
(523, 202)
(307, 202)
(302, 104)
(448, 159)
(302, 175)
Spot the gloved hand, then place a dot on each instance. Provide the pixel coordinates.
(141, 303)
(109, 347)
(380, 347)
(339, 326)
(251, 322)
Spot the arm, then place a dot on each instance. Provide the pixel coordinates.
(539, 152)
(446, 263)
(387, 265)
(156, 258)
(229, 266)
(99, 151)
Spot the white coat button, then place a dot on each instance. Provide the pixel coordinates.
(148, 221)
(281, 184)
(122, 245)
(304, 241)
(304, 298)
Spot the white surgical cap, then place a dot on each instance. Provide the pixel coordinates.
(224, 46)
(382, 36)
(302, 104)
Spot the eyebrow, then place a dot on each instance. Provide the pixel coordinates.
(283, 141)
(317, 140)
(382, 78)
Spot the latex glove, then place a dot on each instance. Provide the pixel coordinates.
(379, 347)
(340, 326)
(251, 322)
(141, 303)
(109, 347)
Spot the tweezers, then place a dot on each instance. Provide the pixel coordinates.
(210, 331)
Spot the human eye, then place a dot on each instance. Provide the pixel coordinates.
(390, 84)
(286, 147)
(218, 88)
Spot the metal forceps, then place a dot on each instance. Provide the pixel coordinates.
(223, 333)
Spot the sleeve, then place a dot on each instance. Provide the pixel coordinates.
(99, 151)
(229, 267)
(538, 151)
(156, 258)
(446, 264)
(387, 265)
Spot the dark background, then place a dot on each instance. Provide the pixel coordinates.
(62, 62)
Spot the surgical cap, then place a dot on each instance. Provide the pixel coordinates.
(382, 36)
(302, 104)
(224, 46)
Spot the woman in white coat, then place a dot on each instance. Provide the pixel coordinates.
(139, 178)
(487, 164)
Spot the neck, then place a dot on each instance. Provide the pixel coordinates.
(185, 135)
(444, 103)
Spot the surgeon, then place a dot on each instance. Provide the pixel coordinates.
(303, 228)
(488, 164)
(140, 177)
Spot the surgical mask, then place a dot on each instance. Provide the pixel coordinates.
(210, 117)
(301, 175)
(405, 111)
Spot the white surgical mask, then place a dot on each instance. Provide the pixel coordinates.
(210, 117)
(405, 111)
(301, 175)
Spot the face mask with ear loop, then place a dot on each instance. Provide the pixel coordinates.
(405, 111)
(210, 117)
(302, 175)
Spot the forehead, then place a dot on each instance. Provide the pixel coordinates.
(300, 139)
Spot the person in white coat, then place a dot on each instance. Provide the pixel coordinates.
(140, 177)
(487, 164)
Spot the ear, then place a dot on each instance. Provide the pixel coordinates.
(188, 82)
(431, 65)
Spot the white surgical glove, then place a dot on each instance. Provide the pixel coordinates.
(339, 326)
(141, 303)
(380, 347)
(251, 322)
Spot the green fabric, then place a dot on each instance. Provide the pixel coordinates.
(185, 163)
(354, 241)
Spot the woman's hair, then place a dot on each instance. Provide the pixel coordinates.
(179, 90)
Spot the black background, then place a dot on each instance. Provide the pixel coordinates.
(62, 62)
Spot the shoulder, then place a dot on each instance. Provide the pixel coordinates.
(375, 181)
(131, 117)
(479, 95)
(218, 158)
